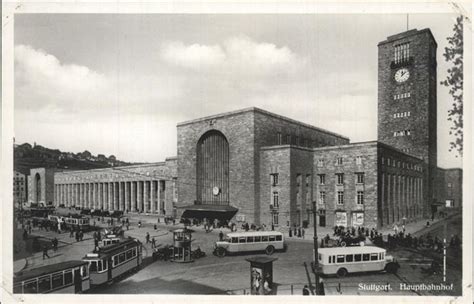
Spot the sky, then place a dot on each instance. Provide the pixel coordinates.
(119, 84)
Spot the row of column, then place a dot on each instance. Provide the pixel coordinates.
(133, 196)
(402, 196)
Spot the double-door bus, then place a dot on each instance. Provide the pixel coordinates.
(235, 242)
(64, 277)
(344, 260)
(111, 262)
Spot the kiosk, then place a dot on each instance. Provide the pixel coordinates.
(261, 275)
(182, 245)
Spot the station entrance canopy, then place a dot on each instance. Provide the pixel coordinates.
(220, 212)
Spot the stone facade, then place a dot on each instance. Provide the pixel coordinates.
(449, 187)
(148, 188)
(407, 110)
(41, 186)
(246, 132)
(20, 188)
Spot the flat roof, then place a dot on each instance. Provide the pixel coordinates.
(351, 250)
(406, 34)
(44, 270)
(258, 110)
(114, 168)
(253, 233)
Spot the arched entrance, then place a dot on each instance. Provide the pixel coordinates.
(212, 169)
(37, 188)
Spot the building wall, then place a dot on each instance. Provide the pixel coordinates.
(401, 181)
(449, 186)
(422, 122)
(46, 183)
(349, 153)
(20, 188)
(146, 188)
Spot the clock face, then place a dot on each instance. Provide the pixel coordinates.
(216, 190)
(402, 75)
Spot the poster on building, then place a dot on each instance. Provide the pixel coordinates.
(357, 219)
(341, 219)
(233, 118)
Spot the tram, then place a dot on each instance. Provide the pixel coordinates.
(74, 221)
(110, 262)
(65, 277)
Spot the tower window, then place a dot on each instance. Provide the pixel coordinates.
(359, 160)
(402, 52)
(340, 178)
(340, 197)
(322, 179)
(360, 197)
(322, 197)
(274, 177)
(360, 177)
(275, 200)
(279, 138)
(320, 163)
(339, 161)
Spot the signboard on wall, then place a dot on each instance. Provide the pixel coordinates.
(357, 219)
(341, 219)
(240, 218)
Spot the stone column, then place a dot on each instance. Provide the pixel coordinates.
(140, 196)
(110, 196)
(120, 184)
(152, 196)
(127, 196)
(146, 196)
(158, 197)
(133, 196)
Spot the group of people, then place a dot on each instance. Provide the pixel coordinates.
(152, 240)
(77, 233)
(296, 231)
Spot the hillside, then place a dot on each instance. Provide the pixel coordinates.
(27, 156)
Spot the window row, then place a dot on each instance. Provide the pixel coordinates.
(402, 52)
(402, 133)
(350, 258)
(401, 164)
(124, 257)
(401, 96)
(256, 239)
(401, 114)
(360, 178)
(340, 197)
(340, 161)
(289, 139)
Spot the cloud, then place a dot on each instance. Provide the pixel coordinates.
(192, 56)
(240, 55)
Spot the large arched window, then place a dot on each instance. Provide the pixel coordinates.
(212, 169)
(38, 188)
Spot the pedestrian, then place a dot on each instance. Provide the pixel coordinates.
(128, 226)
(139, 224)
(147, 237)
(302, 233)
(273, 227)
(77, 236)
(306, 291)
(126, 221)
(81, 235)
(153, 242)
(45, 251)
(221, 236)
(96, 243)
(299, 232)
(54, 242)
(290, 232)
(155, 227)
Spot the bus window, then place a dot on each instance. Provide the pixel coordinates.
(242, 240)
(235, 240)
(279, 238)
(271, 238)
(44, 284)
(265, 238)
(68, 277)
(31, 287)
(366, 257)
(349, 258)
(258, 239)
(57, 280)
(93, 266)
(129, 254)
(374, 256)
(357, 257)
(84, 272)
(340, 259)
(250, 239)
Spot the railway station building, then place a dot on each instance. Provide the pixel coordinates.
(259, 167)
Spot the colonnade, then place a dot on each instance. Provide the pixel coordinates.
(134, 196)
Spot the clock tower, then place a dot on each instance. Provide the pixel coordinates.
(407, 99)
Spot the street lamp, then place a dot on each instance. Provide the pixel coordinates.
(315, 241)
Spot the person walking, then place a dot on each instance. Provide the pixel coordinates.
(128, 226)
(153, 242)
(54, 242)
(147, 237)
(302, 233)
(221, 235)
(45, 252)
(139, 224)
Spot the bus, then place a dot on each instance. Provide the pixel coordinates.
(344, 260)
(111, 262)
(235, 242)
(64, 277)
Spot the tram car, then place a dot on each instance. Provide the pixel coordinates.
(65, 277)
(77, 222)
(110, 262)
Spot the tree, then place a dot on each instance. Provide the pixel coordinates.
(454, 81)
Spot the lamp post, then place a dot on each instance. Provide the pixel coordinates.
(315, 242)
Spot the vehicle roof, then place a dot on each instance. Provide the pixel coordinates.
(351, 249)
(44, 270)
(113, 248)
(253, 233)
